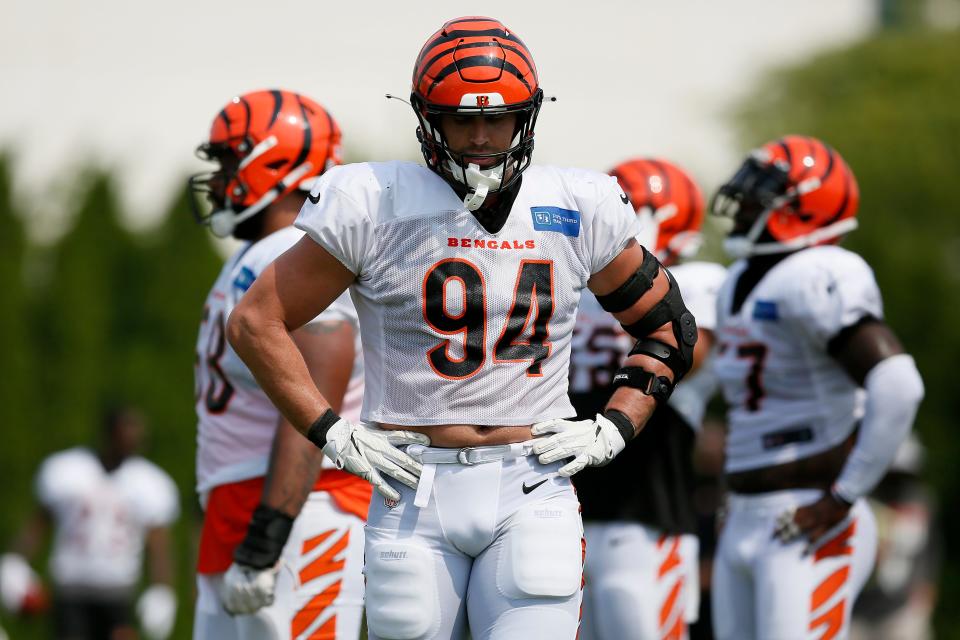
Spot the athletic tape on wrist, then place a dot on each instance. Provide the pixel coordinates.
(317, 433)
(267, 533)
(623, 423)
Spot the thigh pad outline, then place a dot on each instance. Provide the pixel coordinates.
(542, 555)
(402, 601)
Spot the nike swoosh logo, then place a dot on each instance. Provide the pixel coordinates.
(315, 199)
(527, 489)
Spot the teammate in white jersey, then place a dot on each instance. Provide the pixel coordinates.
(280, 543)
(106, 506)
(642, 574)
(467, 275)
(820, 396)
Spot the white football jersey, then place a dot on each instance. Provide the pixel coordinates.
(100, 518)
(788, 398)
(461, 325)
(235, 419)
(600, 345)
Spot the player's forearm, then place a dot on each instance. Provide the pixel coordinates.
(159, 556)
(894, 391)
(266, 347)
(633, 403)
(293, 470)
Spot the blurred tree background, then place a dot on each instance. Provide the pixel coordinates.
(105, 315)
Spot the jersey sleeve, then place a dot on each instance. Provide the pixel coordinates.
(700, 284)
(340, 310)
(833, 295)
(162, 507)
(614, 224)
(44, 483)
(338, 223)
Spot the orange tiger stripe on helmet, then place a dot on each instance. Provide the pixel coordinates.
(656, 183)
(304, 132)
(836, 198)
(474, 55)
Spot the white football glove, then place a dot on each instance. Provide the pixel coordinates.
(591, 443)
(245, 590)
(366, 451)
(157, 611)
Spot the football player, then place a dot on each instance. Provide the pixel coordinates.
(642, 574)
(467, 274)
(281, 542)
(107, 507)
(820, 396)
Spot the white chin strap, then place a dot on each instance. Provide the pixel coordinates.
(744, 246)
(479, 180)
(224, 221)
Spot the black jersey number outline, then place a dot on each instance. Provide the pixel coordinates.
(756, 352)
(219, 390)
(533, 296)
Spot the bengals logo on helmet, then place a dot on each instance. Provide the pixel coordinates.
(669, 195)
(268, 143)
(791, 193)
(474, 66)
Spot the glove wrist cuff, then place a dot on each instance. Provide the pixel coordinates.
(623, 424)
(266, 535)
(317, 433)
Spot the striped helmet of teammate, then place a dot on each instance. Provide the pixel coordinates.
(791, 193)
(668, 197)
(267, 144)
(476, 66)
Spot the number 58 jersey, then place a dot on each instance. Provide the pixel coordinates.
(788, 396)
(235, 419)
(461, 325)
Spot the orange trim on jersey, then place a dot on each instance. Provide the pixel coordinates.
(673, 555)
(230, 507)
(313, 610)
(828, 588)
(326, 562)
(838, 546)
(833, 619)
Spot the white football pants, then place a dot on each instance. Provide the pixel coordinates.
(640, 583)
(764, 589)
(498, 544)
(319, 588)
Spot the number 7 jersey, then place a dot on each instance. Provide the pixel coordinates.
(460, 325)
(788, 397)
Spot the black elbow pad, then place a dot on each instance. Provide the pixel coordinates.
(670, 309)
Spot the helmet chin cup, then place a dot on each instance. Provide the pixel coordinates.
(222, 222)
(738, 246)
(480, 182)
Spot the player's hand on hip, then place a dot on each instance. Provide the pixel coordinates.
(367, 452)
(245, 590)
(591, 443)
(812, 521)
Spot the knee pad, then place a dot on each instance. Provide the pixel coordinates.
(402, 600)
(543, 552)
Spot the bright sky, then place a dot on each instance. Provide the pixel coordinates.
(133, 86)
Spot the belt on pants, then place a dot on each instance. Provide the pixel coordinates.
(430, 457)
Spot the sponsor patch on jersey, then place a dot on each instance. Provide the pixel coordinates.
(244, 279)
(765, 310)
(565, 221)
